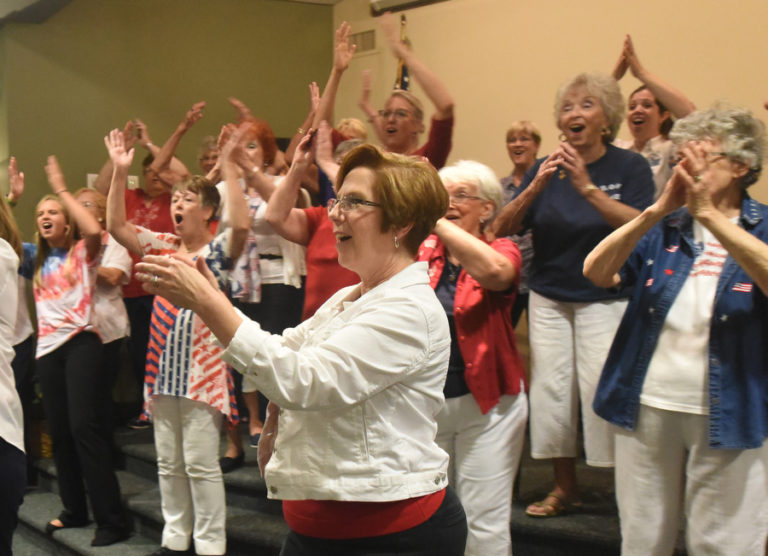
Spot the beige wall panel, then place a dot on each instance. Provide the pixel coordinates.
(503, 60)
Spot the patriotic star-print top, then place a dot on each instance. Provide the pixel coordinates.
(183, 357)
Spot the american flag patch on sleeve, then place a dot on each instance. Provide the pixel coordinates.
(742, 287)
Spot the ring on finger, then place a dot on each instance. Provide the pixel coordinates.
(154, 280)
(697, 178)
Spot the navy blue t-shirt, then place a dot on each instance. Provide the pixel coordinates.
(566, 227)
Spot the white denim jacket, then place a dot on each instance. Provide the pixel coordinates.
(359, 384)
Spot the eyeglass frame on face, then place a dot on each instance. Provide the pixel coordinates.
(349, 204)
(710, 156)
(399, 114)
(461, 197)
(520, 139)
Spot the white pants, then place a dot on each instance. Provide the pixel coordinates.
(191, 485)
(569, 345)
(485, 453)
(666, 467)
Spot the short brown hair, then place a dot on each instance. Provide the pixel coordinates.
(203, 188)
(524, 126)
(408, 188)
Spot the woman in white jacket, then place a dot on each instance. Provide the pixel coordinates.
(360, 383)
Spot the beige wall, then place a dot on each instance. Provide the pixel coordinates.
(503, 60)
(97, 63)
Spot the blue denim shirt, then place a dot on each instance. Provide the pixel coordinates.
(738, 339)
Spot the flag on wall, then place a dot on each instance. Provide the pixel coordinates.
(402, 79)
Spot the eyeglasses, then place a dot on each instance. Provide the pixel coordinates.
(88, 204)
(349, 204)
(710, 157)
(400, 114)
(521, 139)
(461, 198)
(715, 155)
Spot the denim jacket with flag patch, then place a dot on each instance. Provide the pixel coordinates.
(738, 340)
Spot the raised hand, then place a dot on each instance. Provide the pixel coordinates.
(194, 114)
(55, 176)
(633, 61)
(324, 151)
(390, 25)
(314, 97)
(693, 174)
(16, 179)
(142, 134)
(232, 151)
(674, 194)
(115, 143)
(620, 69)
(343, 50)
(243, 112)
(128, 134)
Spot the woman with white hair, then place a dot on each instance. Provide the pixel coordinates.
(687, 375)
(482, 425)
(572, 200)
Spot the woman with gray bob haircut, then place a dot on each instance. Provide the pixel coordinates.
(571, 200)
(686, 379)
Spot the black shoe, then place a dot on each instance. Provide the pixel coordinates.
(230, 464)
(109, 535)
(138, 423)
(165, 551)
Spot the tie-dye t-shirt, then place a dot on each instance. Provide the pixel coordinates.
(64, 296)
(183, 356)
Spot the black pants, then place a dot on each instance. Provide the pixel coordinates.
(13, 482)
(23, 373)
(74, 386)
(139, 314)
(443, 534)
(521, 304)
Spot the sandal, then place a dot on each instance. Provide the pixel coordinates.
(552, 505)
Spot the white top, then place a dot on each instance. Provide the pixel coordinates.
(677, 378)
(359, 384)
(64, 298)
(23, 328)
(11, 418)
(183, 356)
(108, 308)
(284, 262)
(660, 154)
